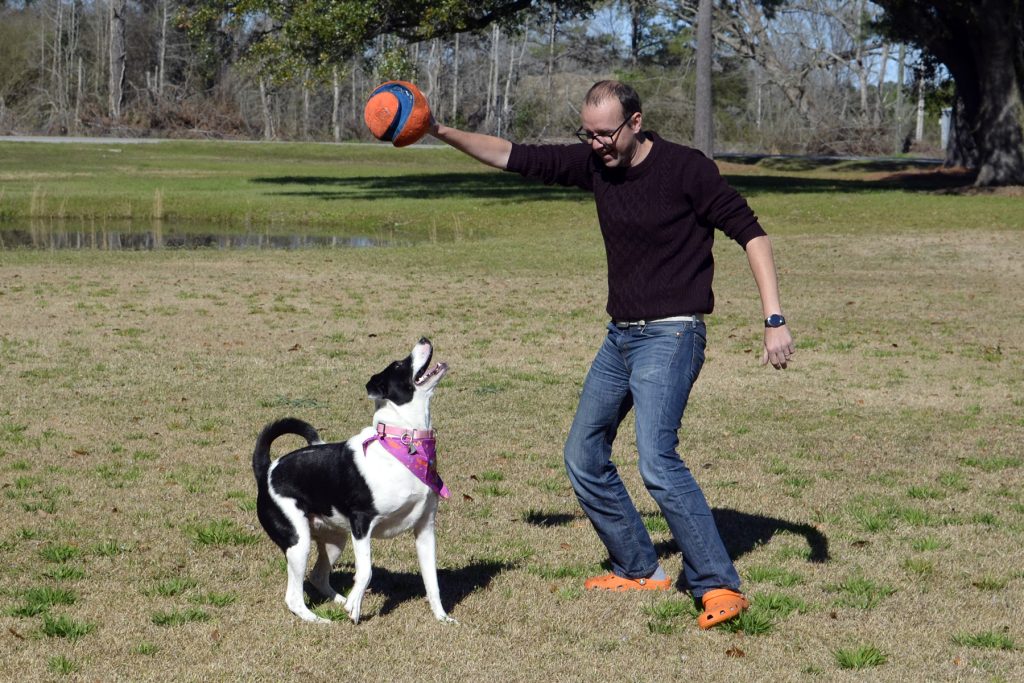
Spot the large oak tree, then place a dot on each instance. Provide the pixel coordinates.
(981, 42)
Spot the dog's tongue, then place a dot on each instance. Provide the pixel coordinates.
(440, 367)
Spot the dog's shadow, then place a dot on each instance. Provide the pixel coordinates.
(399, 587)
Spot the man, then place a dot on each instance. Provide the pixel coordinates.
(658, 204)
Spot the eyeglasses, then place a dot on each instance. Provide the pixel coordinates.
(606, 139)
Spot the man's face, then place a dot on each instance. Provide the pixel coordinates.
(614, 136)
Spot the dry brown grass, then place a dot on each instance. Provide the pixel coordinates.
(884, 468)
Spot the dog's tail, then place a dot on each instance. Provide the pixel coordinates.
(261, 454)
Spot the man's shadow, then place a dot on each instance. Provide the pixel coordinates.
(741, 532)
(398, 587)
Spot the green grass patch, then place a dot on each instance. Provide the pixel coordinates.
(179, 617)
(774, 575)
(989, 640)
(860, 657)
(861, 593)
(59, 552)
(65, 627)
(171, 586)
(62, 666)
(220, 532)
(36, 601)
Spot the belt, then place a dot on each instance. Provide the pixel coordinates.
(623, 324)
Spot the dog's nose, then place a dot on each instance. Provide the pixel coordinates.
(424, 340)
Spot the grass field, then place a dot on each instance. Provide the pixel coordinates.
(871, 495)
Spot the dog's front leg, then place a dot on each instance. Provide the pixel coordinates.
(364, 569)
(426, 553)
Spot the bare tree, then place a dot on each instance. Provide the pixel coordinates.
(703, 129)
(118, 58)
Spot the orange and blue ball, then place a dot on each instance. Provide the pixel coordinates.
(397, 112)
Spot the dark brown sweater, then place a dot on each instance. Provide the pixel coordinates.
(657, 218)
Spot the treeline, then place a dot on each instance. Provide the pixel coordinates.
(811, 79)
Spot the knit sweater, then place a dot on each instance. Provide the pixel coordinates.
(658, 220)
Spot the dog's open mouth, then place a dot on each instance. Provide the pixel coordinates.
(435, 372)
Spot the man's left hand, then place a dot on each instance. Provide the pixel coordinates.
(778, 347)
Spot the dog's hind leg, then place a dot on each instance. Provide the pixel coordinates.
(426, 553)
(364, 570)
(328, 552)
(297, 556)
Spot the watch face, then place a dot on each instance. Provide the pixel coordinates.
(775, 320)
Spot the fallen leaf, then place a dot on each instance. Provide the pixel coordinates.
(79, 451)
(296, 347)
(467, 497)
(735, 652)
(566, 546)
(15, 633)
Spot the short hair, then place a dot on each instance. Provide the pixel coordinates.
(604, 90)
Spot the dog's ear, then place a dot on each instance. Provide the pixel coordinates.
(376, 387)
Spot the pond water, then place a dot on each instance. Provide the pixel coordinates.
(127, 238)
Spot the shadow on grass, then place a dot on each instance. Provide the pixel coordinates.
(744, 532)
(741, 532)
(504, 187)
(893, 175)
(398, 587)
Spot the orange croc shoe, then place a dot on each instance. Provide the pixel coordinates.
(721, 605)
(611, 582)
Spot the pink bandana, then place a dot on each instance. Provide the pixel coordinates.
(414, 448)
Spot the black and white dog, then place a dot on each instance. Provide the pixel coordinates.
(380, 483)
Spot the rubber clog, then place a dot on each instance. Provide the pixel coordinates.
(611, 582)
(721, 604)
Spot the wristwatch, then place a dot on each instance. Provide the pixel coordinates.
(774, 320)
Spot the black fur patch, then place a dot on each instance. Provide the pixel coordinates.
(394, 383)
(324, 480)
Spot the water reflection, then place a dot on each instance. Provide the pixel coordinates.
(128, 239)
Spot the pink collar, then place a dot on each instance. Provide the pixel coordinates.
(414, 448)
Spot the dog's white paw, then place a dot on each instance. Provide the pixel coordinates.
(312, 618)
(445, 619)
(352, 606)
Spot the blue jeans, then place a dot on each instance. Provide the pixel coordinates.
(650, 369)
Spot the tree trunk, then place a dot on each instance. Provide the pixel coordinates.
(268, 117)
(162, 53)
(703, 127)
(455, 82)
(305, 104)
(997, 126)
(919, 128)
(336, 105)
(118, 58)
(960, 148)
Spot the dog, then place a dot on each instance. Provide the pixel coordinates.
(380, 483)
